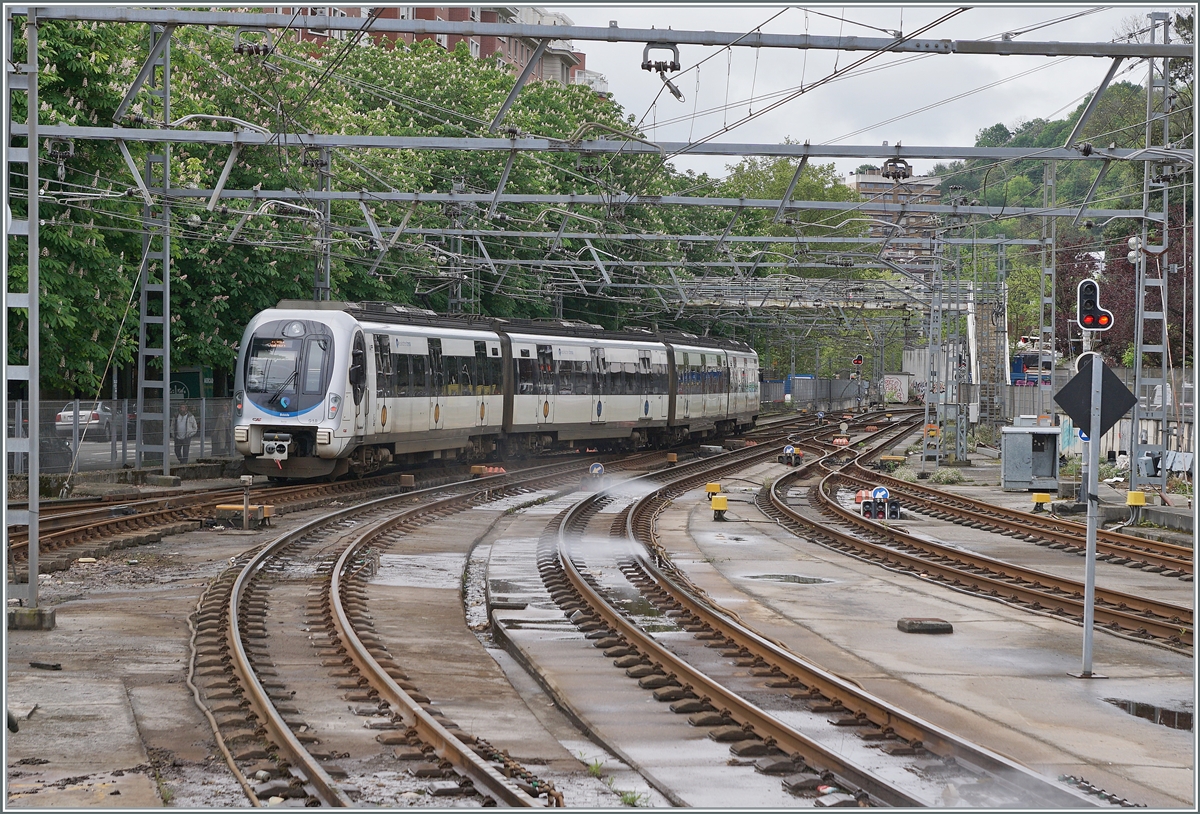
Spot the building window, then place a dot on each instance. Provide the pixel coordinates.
(475, 48)
(337, 12)
(442, 39)
(473, 15)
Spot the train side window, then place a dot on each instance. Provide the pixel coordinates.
(483, 370)
(495, 365)
(545, 370)
(400, 364)
(435, 377)
(583, 378)
(566, 378)
(632, 378)
(383, 365)
(420, 384)
(314, 366)
(615, 380)
(460, 375)
(526, 381)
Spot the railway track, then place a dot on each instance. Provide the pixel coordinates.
(274, 719)
(1139, 617)
(304, 592)
(102, 525)
(72, 521)
(891, 744)
(1111, 546)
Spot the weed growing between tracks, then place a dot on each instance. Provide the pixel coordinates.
(596, 767)
(531, 504)
(628, 798)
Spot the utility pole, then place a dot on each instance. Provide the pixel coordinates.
(154, 310)
(322, 283)
(24, 77)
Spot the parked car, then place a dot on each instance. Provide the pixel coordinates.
(95, 420)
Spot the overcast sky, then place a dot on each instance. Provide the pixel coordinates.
(854, 110)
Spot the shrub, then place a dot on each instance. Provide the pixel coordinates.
(946, 476)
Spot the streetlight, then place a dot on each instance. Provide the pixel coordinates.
(1135, 249)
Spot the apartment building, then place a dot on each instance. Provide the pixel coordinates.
(919, 189)
(560, 62)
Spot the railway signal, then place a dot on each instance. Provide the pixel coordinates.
(858, 360)
(1088, 313)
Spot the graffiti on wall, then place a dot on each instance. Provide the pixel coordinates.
(920, 388)
(894, 389)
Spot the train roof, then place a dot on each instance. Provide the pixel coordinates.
(407, 315)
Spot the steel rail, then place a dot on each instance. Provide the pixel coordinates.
(484, 776)
(764, 724)
(858, 702)
(1114, 610)
(1172, 559)
(322, 784)
(640, 526)
(1165, 554)
(167, 508)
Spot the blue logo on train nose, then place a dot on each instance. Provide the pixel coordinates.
(284, 402)
(599, 408)
(646, 408)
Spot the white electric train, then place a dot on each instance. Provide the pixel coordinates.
(329, 388)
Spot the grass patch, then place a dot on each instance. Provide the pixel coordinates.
(595, 768)
(531, 503)
(905, 473)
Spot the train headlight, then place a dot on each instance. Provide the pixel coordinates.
(294, 329)
(238, 402)
(335, 405)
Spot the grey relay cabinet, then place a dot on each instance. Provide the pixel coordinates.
(1030, 458)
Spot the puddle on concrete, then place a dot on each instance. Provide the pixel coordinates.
(504, 586)
(791, 578)
(639, 606)
(1173, 718)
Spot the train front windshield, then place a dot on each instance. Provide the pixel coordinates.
(288, 366)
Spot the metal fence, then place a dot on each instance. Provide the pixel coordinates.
(80, 436)
(816, 394)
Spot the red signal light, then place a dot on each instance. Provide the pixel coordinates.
(1089, 319)
(1104, 320)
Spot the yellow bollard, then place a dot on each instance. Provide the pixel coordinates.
(720, 503)
(711, 489)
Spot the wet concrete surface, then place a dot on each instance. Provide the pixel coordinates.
(117, 726)
(119, 717)
(1001, 679)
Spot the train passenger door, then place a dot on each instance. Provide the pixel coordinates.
(437, 386)
(359, 381)
(545, 384)
(683, 388)
(483, 383)
(599, 375)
